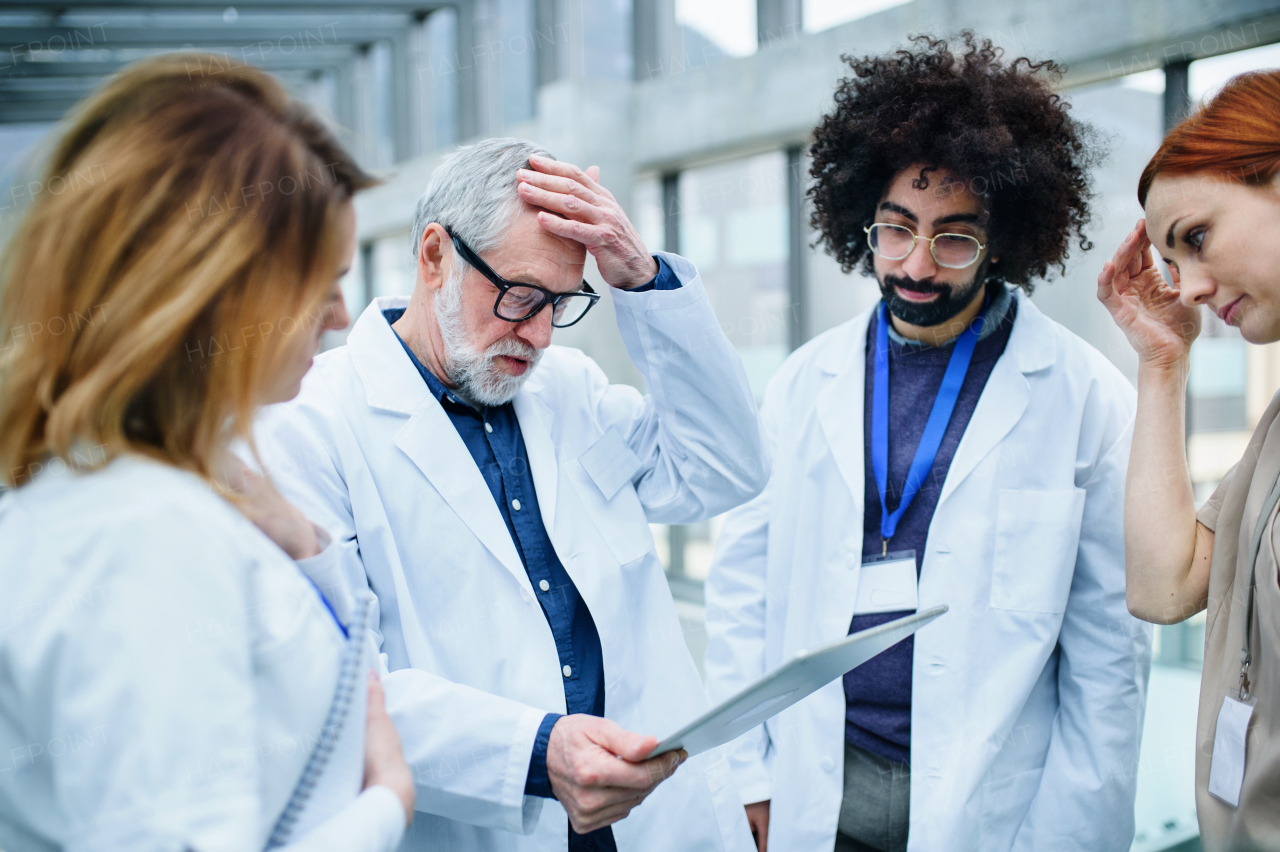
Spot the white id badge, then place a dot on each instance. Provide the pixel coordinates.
(1226, 767)
(888, 584)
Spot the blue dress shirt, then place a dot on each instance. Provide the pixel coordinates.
(492, 435)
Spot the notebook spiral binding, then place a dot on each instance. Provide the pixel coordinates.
(350, 678)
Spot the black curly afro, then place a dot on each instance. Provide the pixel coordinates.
(998, 127)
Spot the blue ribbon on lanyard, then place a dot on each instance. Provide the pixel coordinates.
(934, 429)
(324, 600)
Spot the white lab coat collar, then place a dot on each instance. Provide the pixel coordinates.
(1001, 406)
(390, 380)
(392, 383)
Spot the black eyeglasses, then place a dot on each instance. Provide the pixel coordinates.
(518, 302)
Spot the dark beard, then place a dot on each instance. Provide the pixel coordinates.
(950, 301)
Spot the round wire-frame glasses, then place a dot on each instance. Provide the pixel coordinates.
(895, 242)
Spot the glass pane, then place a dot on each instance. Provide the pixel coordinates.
(1217, 385)
(1218, 366)
(1207, 76)
(606, 39)
(438, 75)
(726, 26)
(1128, 113)
(646, 212)
(824, 14)
(733, 226)
(393, 266)
(832, 296)
(510, 49)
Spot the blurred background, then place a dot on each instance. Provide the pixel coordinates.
(698, 113)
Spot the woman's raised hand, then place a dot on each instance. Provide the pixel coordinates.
(1147, 309)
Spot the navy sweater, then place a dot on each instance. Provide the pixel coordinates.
(878, 693)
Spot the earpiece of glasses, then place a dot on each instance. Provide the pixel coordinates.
(895, 242)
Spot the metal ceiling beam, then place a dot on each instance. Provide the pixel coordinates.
(22, 91)
(35, 113)
(286, 40)
(404, 6)
(317, 58)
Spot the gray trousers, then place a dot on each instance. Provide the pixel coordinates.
(875, 808)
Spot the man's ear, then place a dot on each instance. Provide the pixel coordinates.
(431, 257)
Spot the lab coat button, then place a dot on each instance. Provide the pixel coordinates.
(828, 765)
(544, 585)
(515, 504)
(525, 596)
(568, 671)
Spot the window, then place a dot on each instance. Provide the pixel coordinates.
(393, 266)
(729, 25)
(824, 14)
(733, 226)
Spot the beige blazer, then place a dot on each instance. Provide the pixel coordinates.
(1231, 513)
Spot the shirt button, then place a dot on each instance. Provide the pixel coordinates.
(515, 504)
(544, 585)
(568, 671)
(828, 765)
(488, 427)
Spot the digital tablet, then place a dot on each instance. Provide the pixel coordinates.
(805, 674)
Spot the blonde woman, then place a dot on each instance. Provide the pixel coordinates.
(180, 665)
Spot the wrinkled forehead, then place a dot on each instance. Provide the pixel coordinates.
(527, 235)
(933, 193)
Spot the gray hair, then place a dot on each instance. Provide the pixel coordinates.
(474, 192)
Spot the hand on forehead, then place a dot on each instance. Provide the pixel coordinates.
(530, 254)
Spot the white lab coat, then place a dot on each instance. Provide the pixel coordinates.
(165, 672)
(367, 451)
(1028, 696)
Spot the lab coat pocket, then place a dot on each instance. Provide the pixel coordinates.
(1037, 534)
(610, 498)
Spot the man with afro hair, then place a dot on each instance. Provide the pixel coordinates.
(950, 446)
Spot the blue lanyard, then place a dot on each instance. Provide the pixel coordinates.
(324, 600)
(934, 429)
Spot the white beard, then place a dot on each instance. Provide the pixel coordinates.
(475, 375)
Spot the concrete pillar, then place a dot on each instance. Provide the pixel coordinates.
(545, 42)
(677, 535)
(778, 21)
(1177, 93)
(797, 230)
(486, 71)
(671, 212)
(363, 108)
(1177, 105)
(654, 37)
(469, 84)
(405, 97)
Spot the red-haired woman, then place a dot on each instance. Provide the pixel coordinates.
(1212, 201)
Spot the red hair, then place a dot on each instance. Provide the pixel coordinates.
(1237, 135)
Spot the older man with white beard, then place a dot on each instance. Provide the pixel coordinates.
(494, 492)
